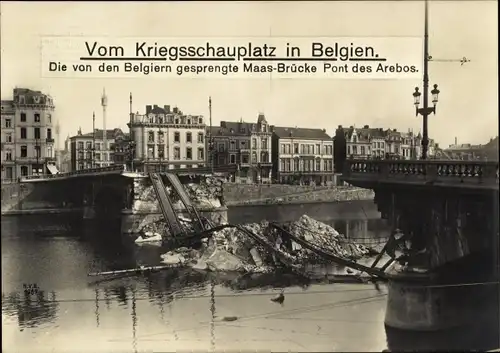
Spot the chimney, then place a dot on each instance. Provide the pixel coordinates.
(148, 109)
(395, 130)
(167, 109)
(324, 130)
(175, 110)
(223, 124)
(366, 127)
(155, 106)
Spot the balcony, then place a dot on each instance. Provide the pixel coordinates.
(49, 140)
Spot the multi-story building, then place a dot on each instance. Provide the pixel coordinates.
(88, 150)
(27, 134)
(165, 138)
(302, 155)
(9, 172)
(246, 145)
(467, 151)
(367, 142)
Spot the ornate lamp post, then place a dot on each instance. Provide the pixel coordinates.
(425, 111)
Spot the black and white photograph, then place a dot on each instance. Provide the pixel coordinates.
(276, 176)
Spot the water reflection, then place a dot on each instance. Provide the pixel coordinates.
(31, 310)
(182, 309)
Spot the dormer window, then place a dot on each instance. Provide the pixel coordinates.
(21, 100)
(200, 120)
(189, 121)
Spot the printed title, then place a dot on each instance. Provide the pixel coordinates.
(321, 57)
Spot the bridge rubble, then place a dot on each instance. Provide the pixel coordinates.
(231, 250)
(214, 245)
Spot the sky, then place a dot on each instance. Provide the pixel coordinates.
(467, 108)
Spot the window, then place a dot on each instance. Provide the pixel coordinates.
(36, 149)
(177, 137)
(221, 147)
(296, 148)
(177, 153)
(97, 156)
(24, 133)
(283, 149)
(49, 134)
(254, 157)
(37, 133)
(282, 164)
(189, 137)
(151, 151)
(201, 154)
(49, 117)
(23, 117)
(189, 153)
(244, 159)
(89, 145)
(362, 150)
(254, 143)
(161, 151)
(318, 149)
(98, 146)
(37, 117)
(161, 137)
(9, 173)
(8, 137)
(49, 152)
(88, 155)
(24, 151)
(263, 143)
(200, 137)
(232, 145)
(264, 157)
(24, 170)
(151, 136)
(80, 145)
(232, 159)
(189, 121)
(8, 155)
(318, 164)
(296, 164)
(8, 123)
(200, 120)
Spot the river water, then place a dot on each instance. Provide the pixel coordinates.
(170, 311)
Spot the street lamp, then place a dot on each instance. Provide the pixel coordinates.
(425, 111)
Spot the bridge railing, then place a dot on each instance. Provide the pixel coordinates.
(463, 172)
(90, 171)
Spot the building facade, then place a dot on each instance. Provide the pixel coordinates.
(89, 150)
(302, 156)
(165, 138)
(377, 143)
(246, 145)
(27, 134)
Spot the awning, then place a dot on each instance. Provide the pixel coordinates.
(52, 169)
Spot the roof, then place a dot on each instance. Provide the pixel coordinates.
(301, 133)
(99, 134)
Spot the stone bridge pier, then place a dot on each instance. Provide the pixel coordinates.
(449, 212)
(99, 196)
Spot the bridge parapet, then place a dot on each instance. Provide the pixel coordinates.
(472, 174)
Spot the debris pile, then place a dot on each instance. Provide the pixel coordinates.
(207, 193)
(327, 238)
(231, 249)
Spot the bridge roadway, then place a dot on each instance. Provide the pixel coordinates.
(449, 209)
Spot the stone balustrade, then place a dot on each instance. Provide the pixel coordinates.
(447, 173)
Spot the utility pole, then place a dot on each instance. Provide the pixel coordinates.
(104, 104)
(131, 144)
(210, 139)
(93, 140)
